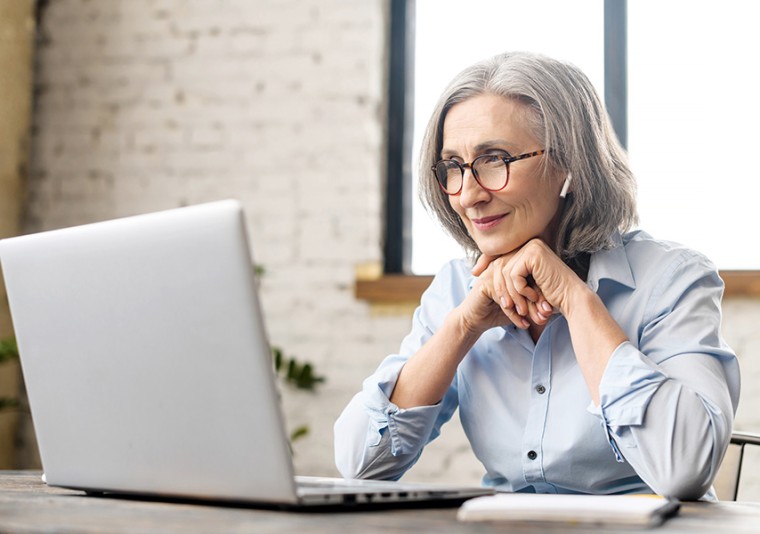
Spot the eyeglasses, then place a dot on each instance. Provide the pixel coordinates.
(491, 171)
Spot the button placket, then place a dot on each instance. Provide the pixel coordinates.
(538, 408)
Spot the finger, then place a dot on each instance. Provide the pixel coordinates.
(527, 289)
(542, 305)
(545, 307)
(483, 261)
(480, 265)
(505, 302)
(493, 285)
(518, 320)
(536, 314)
(534, 310)
(500, 290)
(520, 302)
(479, 309)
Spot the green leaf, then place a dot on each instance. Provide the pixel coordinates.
(277, 354)
(307, 379)
(299, 432)
(295, 373)
(7, 403)
(292, 372)
(8, 350)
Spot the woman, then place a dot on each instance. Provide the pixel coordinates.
(583, 357)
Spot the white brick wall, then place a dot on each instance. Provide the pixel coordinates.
(151, 104)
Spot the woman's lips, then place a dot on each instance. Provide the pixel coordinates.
(486, 223)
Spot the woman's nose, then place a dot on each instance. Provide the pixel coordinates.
(472, 192)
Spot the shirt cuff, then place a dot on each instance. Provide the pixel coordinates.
(409, 428)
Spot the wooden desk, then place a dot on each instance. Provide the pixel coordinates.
(27, 505)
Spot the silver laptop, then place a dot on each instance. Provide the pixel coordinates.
(148, 369)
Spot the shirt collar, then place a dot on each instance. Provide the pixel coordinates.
(611, 264)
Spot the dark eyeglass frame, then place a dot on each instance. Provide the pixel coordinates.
(462, 166)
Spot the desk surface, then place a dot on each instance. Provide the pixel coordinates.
(27, 505)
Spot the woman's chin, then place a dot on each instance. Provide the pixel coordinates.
(494, 249)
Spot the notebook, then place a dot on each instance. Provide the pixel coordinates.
(571, 510)
(148, 368)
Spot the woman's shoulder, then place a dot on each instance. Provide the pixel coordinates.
(646, 253)
(641, 242)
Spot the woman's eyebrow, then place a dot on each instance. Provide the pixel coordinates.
(492, 144)
(495, 143)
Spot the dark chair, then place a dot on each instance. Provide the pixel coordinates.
(727, 482)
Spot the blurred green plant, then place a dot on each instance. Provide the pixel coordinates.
(295, 373)
(299, 432)
(299, 375)
(8, 351)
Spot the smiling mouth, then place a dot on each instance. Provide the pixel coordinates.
(486, 223)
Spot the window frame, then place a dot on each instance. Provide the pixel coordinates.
(397, 242)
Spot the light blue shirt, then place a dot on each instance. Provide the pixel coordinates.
(668, 395)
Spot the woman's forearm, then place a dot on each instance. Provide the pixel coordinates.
(427, 375)
(594, 333)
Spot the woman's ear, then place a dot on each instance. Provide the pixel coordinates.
(566, 186)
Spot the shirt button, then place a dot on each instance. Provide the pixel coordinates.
(541, 389)
(532, 455)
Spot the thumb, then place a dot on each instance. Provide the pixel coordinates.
(483, 261)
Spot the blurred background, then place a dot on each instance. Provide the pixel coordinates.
(120, 107)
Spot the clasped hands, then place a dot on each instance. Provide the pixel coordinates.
(523, 287)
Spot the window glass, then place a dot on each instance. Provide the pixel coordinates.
(693, 116)
(451, 34)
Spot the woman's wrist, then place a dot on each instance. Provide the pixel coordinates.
(594, 333)
(577, 299)
(463, 327)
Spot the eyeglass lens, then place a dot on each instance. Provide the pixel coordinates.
(490, 171)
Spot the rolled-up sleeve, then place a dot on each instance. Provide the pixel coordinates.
(374, 438)
(407, 428)
(667, 405)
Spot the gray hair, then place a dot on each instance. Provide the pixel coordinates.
(569, 117)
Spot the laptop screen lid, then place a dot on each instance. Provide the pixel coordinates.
(145, 357)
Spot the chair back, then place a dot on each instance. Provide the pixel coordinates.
(726, 483)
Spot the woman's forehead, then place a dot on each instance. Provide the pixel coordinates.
(486, 121)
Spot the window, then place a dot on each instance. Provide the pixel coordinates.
(568, 30)
(692, 111)
(693, 121)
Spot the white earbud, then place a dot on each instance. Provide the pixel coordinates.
(566, 186)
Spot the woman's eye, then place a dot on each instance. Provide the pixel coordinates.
(493, 158)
